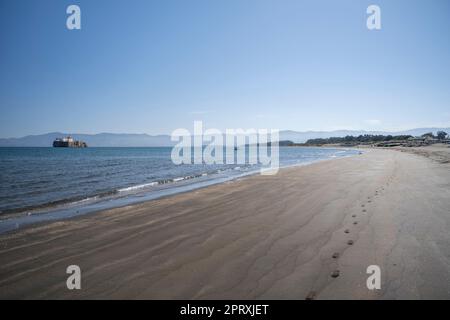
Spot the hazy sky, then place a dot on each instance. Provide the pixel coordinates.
(154, 66)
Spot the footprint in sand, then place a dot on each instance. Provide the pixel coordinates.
(356, 222)
(353, 215)
(335, 255)
(350, 242)
(363, 205)
(347, 231)
(335, 274)
(364, 210)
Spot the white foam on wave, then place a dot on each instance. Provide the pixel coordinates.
(139, 186)
(155, 183)
(85, 200)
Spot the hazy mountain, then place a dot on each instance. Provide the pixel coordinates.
(93, 140)
(145, 140)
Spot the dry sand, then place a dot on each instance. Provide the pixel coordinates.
(260, 237)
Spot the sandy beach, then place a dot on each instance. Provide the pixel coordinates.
(261, 237)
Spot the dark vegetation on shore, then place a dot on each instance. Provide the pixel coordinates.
(379, 140)
(360, 139)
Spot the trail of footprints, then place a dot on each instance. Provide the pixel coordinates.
(336, 273)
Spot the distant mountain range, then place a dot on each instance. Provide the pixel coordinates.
(145, 140)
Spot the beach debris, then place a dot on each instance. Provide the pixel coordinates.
(350, 242)
(335, 255)
(311, 295)
(335, 274)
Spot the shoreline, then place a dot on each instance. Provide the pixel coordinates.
(262, 237)
(27, 218)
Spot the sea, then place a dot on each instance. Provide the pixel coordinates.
(45, 184)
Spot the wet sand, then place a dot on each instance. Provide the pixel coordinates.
(307, 232)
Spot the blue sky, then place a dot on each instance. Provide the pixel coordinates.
(154, 66)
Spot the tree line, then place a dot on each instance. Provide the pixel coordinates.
(366, 138)
(371, 138)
